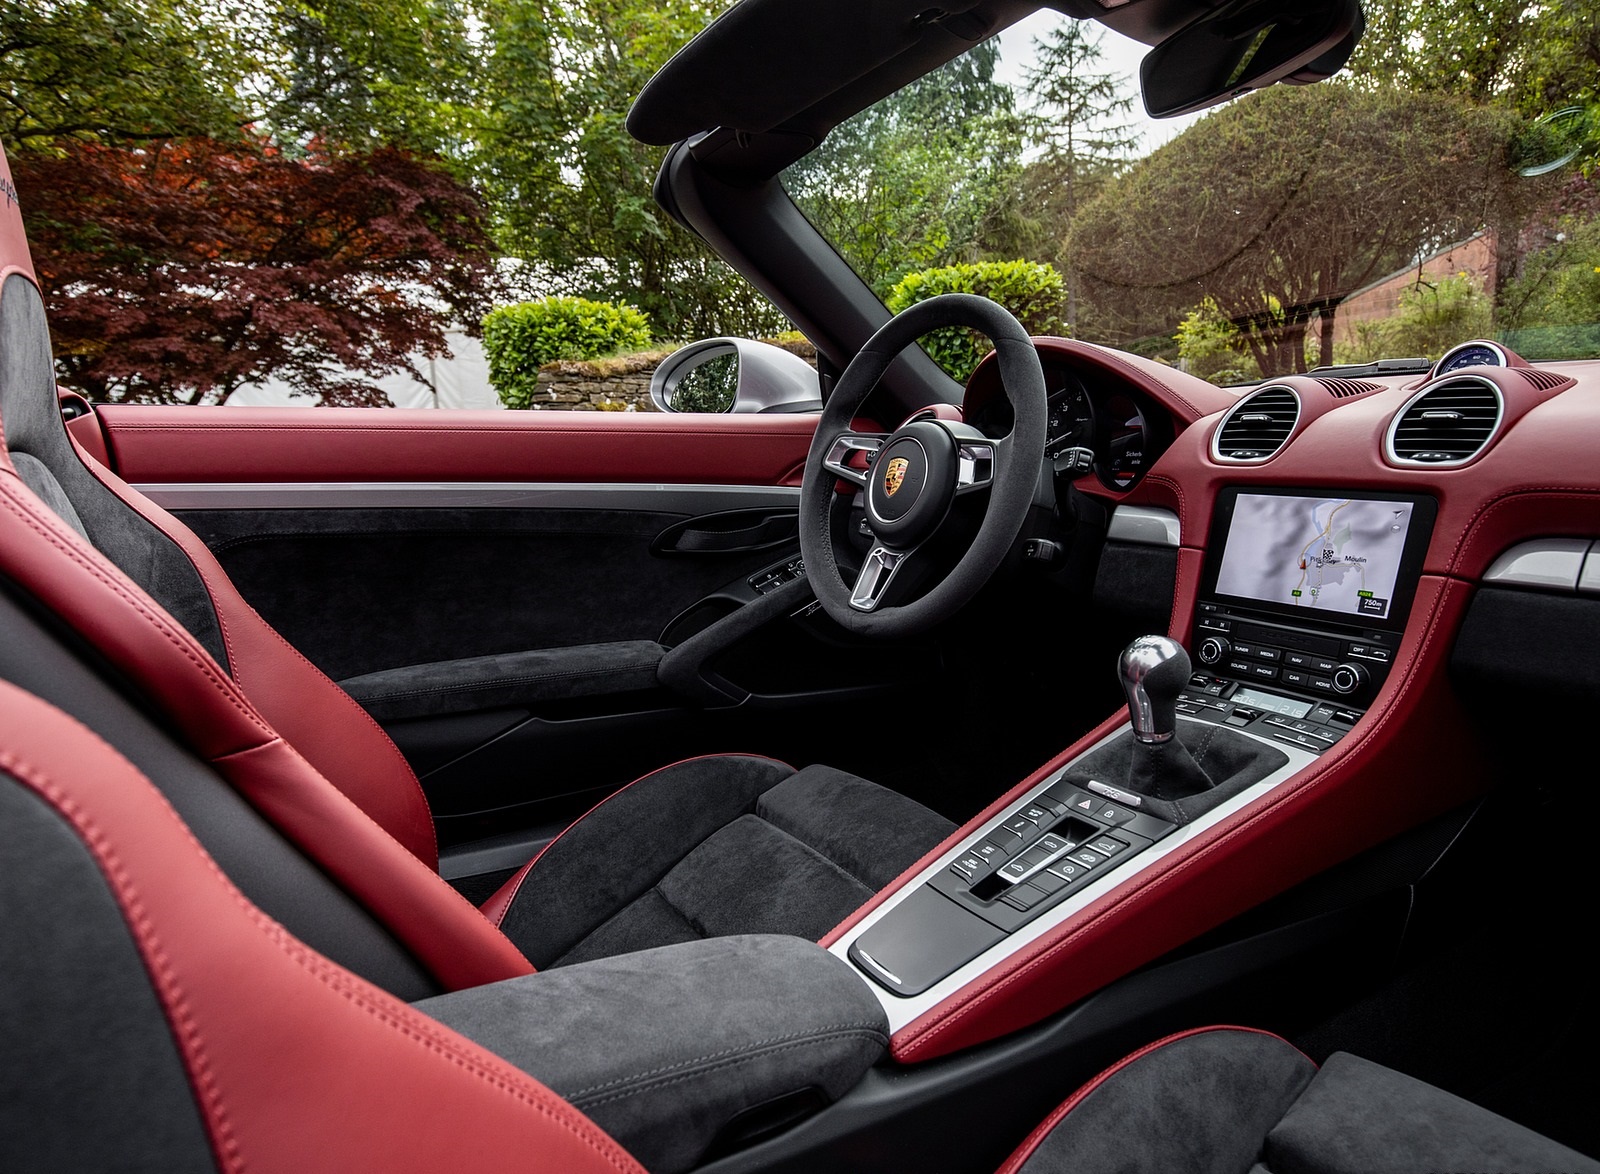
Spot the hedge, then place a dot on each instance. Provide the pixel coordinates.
(521, 338)
(1035, 293)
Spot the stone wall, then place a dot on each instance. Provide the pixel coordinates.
(621, 384)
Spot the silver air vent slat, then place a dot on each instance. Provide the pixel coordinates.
(1446, 424)
(1257, 426)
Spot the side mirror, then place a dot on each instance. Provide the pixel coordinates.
(735, 375)
(1246, 45)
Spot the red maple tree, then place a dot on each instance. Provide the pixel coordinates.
(174, 273)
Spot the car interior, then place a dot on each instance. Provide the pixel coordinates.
(1087, 767)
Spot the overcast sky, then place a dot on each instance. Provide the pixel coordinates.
(1122, 55)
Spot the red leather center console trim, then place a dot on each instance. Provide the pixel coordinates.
(226, 445)
(68, 576)
(1371, 786)
(296, 1063)
(1035, 1139)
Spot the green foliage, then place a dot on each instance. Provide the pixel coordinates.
(1212, 347)
(521, 338)
(571, 187)
(1553, 309)
(929, 176)
(1034, 293)
(1432, 317)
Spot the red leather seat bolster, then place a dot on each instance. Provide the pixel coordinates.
(313, 714)
(68, 576)
(296, 1063)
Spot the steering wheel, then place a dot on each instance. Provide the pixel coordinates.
(913, 475)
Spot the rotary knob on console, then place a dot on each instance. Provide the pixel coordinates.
(1212, 649)
(1349, 679)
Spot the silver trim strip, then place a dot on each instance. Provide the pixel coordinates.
(269, 495)
(1551, 564)
(1589, 577)
(1145, 525)
(902, 1011)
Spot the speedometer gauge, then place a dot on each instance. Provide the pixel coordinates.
(1477, 353)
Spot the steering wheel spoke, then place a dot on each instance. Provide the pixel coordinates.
(877, 572)
(844, 446)
(975, 464)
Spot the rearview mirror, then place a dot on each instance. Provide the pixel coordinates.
(735, 375)
(1245, 46)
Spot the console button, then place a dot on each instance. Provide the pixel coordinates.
(1111, 813)
(1294, 677)
(1107, 846)
(1037, 813)
(973, 863)
(988, 851)
(1068, 869)
(1048, 881)
(1021, 827)
(1050, 845)
(1300, 660)
(965, 874)
(1240, 648)
(1320, 685)
(1239, 666)
(1323, 665)
(1024, 897)
(1322, 714)
(1086, 857)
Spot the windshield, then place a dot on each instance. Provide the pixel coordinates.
(1441, 188)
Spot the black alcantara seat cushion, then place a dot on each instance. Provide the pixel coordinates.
(723, 845)
(1233, 1101)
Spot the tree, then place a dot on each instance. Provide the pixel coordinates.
(1079, 110)
(571, 187)
(177, 272)
(132, 70)
(1281, 204)
(927, 177)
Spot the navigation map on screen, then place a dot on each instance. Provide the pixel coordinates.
(1331, 553)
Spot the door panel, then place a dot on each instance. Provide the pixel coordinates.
(377, 540)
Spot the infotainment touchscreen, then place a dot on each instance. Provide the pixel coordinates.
(1327, 554)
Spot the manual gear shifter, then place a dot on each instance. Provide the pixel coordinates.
(1154, 669)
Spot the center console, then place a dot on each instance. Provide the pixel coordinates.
(1304, 598)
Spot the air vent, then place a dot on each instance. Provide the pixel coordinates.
(1257, 426)
(1446, 424)
(1345, 388)
(1545, 380)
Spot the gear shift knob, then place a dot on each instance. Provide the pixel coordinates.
(1153, 670)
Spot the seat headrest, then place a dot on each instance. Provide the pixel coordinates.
(14, 256)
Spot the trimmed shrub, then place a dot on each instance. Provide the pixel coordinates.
(520, 338)
(1035, 293)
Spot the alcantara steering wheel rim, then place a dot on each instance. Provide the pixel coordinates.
(932, 460)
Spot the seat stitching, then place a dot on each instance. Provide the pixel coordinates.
(728, 1058)
(199, 661)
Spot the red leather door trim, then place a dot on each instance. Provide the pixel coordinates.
(296, 1063)
(178, 444)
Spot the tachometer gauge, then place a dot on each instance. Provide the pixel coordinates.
(1071, 422)
(1127, 442)
(1477, 353)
